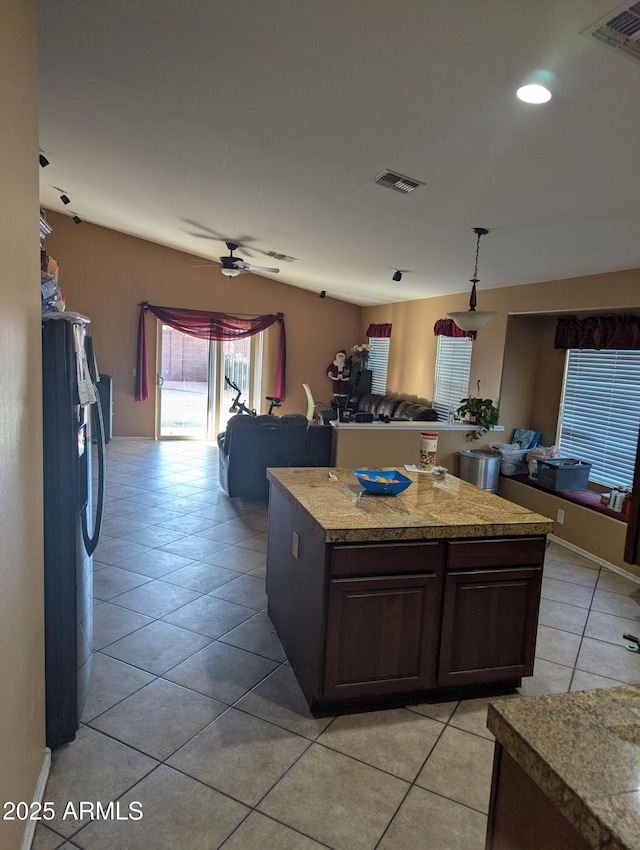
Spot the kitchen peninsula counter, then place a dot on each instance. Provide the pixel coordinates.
(567, 771)
(395, 443)
(373, 597)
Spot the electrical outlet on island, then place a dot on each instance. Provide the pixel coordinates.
(560, 516)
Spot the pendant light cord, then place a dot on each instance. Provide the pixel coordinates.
(481, 231)
(475, 278)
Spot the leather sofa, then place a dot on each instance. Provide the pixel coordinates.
(395, 407)
(251, 444)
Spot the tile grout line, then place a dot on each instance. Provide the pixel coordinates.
(235, 705)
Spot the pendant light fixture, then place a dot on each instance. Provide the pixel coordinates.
(472, 319)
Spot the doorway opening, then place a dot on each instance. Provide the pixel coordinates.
(193, 399)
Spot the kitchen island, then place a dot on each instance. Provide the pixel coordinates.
(566, 772)
(380, 597)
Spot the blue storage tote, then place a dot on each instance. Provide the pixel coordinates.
(563, 474)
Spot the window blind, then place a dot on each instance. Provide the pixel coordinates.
(378, 361)
(453, 365)
(600, 412)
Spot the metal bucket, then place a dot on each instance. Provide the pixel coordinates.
(480, 468)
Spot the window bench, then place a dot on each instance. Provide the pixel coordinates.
(586, 498)
(597, 533)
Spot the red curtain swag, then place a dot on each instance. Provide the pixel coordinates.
(142, 375)
(447, 327)
(206, 325)
(622, 332)
(378, 331)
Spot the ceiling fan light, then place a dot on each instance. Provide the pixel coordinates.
(230, 272)
(471, 320)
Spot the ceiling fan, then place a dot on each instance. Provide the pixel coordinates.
(232, 266)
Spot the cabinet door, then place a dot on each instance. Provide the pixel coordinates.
(381, 635)
(489, 625)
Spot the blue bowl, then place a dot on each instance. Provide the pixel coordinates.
(383, 482)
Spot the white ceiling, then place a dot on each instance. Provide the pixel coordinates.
(265, 121)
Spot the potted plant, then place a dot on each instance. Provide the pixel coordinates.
(478, 411)
(357, 362)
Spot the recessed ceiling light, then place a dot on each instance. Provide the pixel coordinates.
(534, 93)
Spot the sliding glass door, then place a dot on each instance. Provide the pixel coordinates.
(193, 398)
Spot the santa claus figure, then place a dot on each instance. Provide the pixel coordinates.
(338, 373)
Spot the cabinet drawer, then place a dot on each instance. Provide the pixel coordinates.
(501, 552)
(387, 559)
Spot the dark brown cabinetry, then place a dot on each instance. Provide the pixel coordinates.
(370, 620)
(381, 635)
(490, 610)
(521, 815)
(489, 622)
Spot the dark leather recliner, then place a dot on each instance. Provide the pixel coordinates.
(396, 407)
(251, 444)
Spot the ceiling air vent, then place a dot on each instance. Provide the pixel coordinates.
(283, 258)
(620, 30)
(397, 182)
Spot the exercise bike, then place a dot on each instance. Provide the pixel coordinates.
(238, 406)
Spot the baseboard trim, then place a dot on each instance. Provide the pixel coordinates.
(591, 557)
(38, 797)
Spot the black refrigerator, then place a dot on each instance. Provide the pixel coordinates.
(73, 504)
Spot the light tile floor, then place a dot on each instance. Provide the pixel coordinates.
(195, 714)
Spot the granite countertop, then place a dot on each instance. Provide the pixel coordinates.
(432, 507)
(583, 750)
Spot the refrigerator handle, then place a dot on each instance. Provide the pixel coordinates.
(91, 542)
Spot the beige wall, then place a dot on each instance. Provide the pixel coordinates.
(380, 445)
(412, 348)
(21, 585)
(547, 388)
(513, 356)
(106, 274)
(515, 361)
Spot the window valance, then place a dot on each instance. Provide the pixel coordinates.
(597, 332)
(379, 331)
(207, 325)
(447, 327)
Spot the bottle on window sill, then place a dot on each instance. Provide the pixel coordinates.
(616, 501)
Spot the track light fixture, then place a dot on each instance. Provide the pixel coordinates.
(77, 219)
(323, 294)
(43, 160)
(65, 198)
(397, 276)
(472, 319)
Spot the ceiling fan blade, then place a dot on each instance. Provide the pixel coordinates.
(206, 265)
(252, 268)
